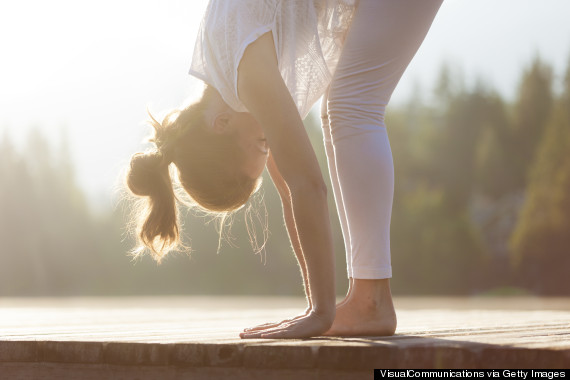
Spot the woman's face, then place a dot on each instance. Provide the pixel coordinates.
(251, 139)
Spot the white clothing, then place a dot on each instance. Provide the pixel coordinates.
(383, 38)
(308, 36)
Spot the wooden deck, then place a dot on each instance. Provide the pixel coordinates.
(179, 337)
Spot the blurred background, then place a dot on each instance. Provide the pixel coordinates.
(479, 127)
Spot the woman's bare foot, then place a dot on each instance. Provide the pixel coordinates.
(368, 310)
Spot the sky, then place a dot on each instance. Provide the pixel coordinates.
(90, 70)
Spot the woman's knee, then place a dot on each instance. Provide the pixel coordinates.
(353, 113)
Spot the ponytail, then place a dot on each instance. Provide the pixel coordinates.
(158, 220)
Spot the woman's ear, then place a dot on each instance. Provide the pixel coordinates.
(221, 123)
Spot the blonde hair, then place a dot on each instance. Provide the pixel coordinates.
(208, 169)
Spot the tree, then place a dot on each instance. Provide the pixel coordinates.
(541, 241)
(435, 251)
(494, 155)
(455, 150)
(531, 113)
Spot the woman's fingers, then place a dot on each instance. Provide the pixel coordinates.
(300, 328)
(275, 324)
(265, 326)
(259, 333)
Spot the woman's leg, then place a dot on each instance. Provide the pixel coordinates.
(329, 150)
(384, 37)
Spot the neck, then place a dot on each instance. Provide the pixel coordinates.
(215, 106)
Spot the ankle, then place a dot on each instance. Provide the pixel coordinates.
(372, 293)
(372, 287)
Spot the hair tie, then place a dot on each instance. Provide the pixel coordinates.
(166, 151)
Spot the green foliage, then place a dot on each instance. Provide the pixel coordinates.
(531, 113)
(541, 241)
(495, 157)
(435, 250)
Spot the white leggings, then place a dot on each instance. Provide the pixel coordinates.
(384, 36)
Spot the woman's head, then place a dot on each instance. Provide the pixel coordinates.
(219, 155)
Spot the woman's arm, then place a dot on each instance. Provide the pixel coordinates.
(285, 196)
(286, 201)
(266, 97)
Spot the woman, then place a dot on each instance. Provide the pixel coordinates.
(266, 63)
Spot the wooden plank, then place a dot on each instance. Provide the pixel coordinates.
(98, 334)
(48, 371)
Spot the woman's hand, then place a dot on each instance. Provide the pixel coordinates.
(312, 324)
(270, 325)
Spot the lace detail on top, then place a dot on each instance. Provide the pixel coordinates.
(308, 36)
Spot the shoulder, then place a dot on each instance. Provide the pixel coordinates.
(260, 84)
(227, 29)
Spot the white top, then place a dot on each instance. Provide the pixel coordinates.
(308, 37)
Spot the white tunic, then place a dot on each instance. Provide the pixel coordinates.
(308, 36)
